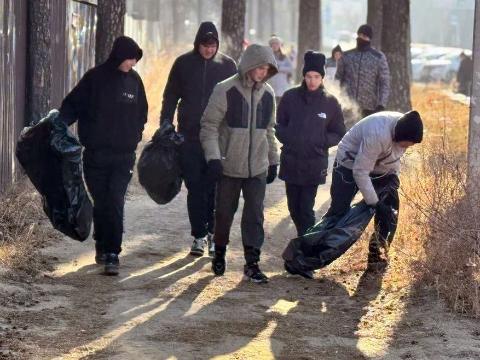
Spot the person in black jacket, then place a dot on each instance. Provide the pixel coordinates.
(309, 121)
(465, 74)
(111, 107)
(191, 80)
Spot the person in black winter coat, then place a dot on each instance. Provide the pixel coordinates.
(465, 74)
(309, 122)
(190, 84)
(111, 107)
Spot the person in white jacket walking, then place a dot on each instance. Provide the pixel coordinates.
(281, 81)
(368, 157)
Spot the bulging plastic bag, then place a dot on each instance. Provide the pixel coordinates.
(159, 170)
(52, 159)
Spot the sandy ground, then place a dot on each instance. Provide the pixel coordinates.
(167, 305)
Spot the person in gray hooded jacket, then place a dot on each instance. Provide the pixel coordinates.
(367, 156)
(237, 136)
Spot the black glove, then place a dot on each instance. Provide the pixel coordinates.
(214, 170)
(272, 173)
(383, 212)
(379, 108)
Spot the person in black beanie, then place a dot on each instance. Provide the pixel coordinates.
(111, 107)
(364, 73)
(309, 122)
(368, 158)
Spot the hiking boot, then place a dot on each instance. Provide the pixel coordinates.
(376, 261)
(211, 245)
(292, 271)
(252, 272)
(198, 245)
(112, 264)
(100, 257)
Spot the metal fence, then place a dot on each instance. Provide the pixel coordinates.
(73, 53)
(13, 17)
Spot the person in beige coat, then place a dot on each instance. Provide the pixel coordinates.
(237, 136)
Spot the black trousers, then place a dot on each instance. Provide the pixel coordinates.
(228, 195)
(107, 176)
(301, 200)
(201, 193)
(344, 189)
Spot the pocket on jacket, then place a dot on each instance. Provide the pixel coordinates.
(264, 110)
(237, 109)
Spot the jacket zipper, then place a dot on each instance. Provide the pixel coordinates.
(203, 81)
(251, 133)
(358, 76)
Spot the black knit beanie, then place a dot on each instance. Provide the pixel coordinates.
(314, 61)
(365, 29)
(409, 128)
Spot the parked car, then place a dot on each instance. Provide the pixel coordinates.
(420, 60)
(444, 68)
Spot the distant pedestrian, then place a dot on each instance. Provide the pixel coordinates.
(309, 122)
(281, 81)
(465, 74)
(364, 73)
(238, 138)
(331, 64)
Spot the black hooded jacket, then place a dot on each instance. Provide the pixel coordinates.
(308, 123)
(191, 80)
(110, 105)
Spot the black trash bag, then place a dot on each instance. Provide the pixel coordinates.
(159, 170)
(330, 238)
(52, 159)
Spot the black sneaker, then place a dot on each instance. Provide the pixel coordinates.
(219, 264)
(254, 274)
(292, 271)
(112, 264)
(100, 257)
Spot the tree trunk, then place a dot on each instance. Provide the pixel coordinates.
(110, 25)
(233, 26)
(474, 125)
(39, 58)
(396, 46)
(309, 37)
(375, 20)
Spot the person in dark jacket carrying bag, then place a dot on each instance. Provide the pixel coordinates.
(191, 81)
(309, 122)
(111, 107)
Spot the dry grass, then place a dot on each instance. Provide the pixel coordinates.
(438, 236)
(21, 229)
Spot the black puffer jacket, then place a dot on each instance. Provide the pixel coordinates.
(110, 105)
(191, 80)
(308, 123)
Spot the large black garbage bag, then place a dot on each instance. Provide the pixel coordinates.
(325, 242)
(159, 169)
(331, 238)
(52, 159)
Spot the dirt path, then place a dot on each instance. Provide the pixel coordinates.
(167, 305)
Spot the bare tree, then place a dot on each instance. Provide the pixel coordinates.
(110, 25)
(375, 20)
(233, 26)
(309, 30)
(396, 46)
(474, 125)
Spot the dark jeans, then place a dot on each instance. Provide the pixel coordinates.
(201, 193)
(107, 176)
(344, 189)
(228, 194)
(301, 200)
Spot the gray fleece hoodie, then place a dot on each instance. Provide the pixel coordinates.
(368, 149)
(238, 123)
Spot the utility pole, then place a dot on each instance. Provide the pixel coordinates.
(473, 179)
